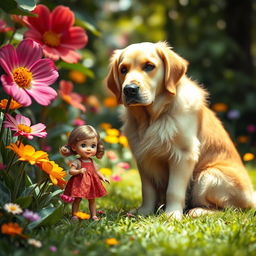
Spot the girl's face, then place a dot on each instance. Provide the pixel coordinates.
(86, 148)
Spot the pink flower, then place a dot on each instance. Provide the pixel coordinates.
(3, 27)
(22, 126)
(123, 165)
(67, 94)
(111, 155)
(66, 199)
(56, 33)
(78, 121)
(251, 128)
(116, 178)
(27, 75)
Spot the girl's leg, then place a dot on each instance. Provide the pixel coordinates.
(75, 205)
(92, 208)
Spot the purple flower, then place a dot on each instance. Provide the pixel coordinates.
(31, 216)
(233, 114)
(53, 248)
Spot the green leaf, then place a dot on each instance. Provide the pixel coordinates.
(5, 194)
(49, 216)
(61, 129)
(87, 26)
(51, 196)
(19, 7)
(77, 66)
(24, 201)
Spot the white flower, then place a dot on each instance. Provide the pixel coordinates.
(34, 242)
(13, 208)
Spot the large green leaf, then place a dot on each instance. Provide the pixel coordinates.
(24, 201)
(49, 216)
(87, 26)
(78, 66)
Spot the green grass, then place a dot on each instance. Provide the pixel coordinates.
(231, 232)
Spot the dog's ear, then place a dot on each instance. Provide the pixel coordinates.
(112, 79)
(175, 66)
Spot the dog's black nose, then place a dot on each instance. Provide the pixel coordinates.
(131, 90)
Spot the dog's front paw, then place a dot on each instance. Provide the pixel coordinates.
(176, 214)
(142, 211)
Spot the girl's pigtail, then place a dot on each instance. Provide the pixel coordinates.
(100, 149)
(66, 150)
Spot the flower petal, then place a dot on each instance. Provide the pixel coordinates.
(66, 87)
(8, 58)
(15, 91)
(34, 35)
(10, 122)
(23, 120)
(28, 52)
(44, 71)
(62, 18)
(51, 52)
(68, 55)
(74, 38)
(42, 94)
(42, 22)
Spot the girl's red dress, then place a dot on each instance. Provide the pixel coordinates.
(85, 185)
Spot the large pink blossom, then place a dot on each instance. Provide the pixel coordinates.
(56, 33)
(22, 126)
(27, 74)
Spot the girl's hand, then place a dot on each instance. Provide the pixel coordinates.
(82, 170)
(105, 180)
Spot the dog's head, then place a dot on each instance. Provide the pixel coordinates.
(142, 71)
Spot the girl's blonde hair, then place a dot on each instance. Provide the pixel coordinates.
(82, 132)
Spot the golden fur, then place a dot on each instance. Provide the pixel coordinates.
(184, 155)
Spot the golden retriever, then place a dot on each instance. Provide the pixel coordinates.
(184, 155)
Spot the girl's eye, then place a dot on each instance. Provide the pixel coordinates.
(83, 145)
(148, 67)
(93, 146)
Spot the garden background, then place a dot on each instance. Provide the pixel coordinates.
(218, 38)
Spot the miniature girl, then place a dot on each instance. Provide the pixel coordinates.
(85, 181)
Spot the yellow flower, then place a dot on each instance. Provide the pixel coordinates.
(123, 140)
(110, 102)
(106, 171)
(11, 229)
(13, 208)
(111, 139)
(77, 76)
(55, 172)
(28, 153)
(82, 215)
(248, 156)
(219, 107)
(14, 104)
(105, 126)
(111, 241)
(112, 132)
(243, 139)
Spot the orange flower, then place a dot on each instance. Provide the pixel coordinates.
(111, 241)
(242, 139)
(248, 156)
(14, 104)
(82, 215)
(111, 139)
(219, 107)
(67, 94)
(11, 229)
(55, 172)
(93, 102)
(110, 102)
(112, 132)
(105, 126)
(77, 76)
(28, 153)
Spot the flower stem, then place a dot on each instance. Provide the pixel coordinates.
(19, 180)
(5, 112)
(12, 36)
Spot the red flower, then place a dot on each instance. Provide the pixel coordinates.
(67, 94)
(56, 33)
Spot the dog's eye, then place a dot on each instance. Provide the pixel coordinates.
(148, 67)
(124, 70)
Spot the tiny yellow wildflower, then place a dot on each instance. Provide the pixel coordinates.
(111, 241)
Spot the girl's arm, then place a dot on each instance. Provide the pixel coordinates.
(104, 179)
(76, 168)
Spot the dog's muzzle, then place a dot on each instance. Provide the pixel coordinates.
(131, 92)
